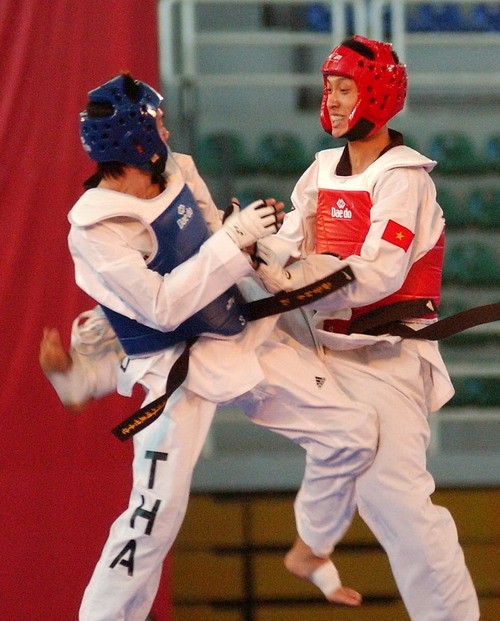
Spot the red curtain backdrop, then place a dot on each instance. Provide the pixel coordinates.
(64, 477)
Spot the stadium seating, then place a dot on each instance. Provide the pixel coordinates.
(325, 141)
(412, 142)
(493, 153)
(452, 306)
(222, 153)
(456, 154)
(282, 153)
(318, 17)
(476, 391)
(483, 206)
(252, 193)
(444, 17)
(471, 263)
(236, 572)
(485, 18)
(453, 207)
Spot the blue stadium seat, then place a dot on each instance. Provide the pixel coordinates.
(318, 17)
(441, 17)
(493, 153)
(485, 18)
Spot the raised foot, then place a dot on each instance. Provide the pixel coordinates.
(303, 563)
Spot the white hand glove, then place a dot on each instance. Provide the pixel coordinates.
(256, 220)
(304, 272)
(274, 277)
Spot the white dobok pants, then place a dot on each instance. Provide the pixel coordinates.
(299, 400)
(393, 495)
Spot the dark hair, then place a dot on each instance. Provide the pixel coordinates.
(104, 170)
(130, 86)
(364, 50)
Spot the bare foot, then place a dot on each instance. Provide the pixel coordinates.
(56, 362)
(303, 563)
(53, 358)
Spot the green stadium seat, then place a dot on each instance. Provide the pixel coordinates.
(476, 391)
(471, 263)
(455, 154)
(223, 153)
(452, 306)
(252, 193)
(483, 207)
(411, 142)
(325, 141)
(453, 208)
(282, 153)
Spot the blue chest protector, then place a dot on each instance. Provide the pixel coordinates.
(180, 231)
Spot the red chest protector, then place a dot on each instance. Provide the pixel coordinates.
(342, 223)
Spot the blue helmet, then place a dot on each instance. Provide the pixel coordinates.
(128, 134)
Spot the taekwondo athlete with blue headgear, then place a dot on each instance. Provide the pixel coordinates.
(142, 248)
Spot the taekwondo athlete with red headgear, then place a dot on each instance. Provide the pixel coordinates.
(372, 205)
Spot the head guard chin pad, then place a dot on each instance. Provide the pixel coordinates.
(381, 82)
(127, 132)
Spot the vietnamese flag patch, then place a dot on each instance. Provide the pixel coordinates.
(398, 235)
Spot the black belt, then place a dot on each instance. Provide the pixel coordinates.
(385, 320)
(266, 307)
(389, 320)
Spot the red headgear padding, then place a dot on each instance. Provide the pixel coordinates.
(382, 85)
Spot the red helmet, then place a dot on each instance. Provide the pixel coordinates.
(381, 81)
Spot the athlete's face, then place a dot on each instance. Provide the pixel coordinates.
(342, 95)
(162, 130)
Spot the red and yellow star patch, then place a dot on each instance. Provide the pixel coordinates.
(398, 235)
